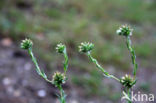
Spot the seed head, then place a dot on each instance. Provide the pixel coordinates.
(86, 47)
(58, 79)
(127, 81)
(124, 30)
(26, 44)
(60, 48)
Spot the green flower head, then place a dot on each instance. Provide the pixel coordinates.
(127, 81)
(86, 47)
(26, 44)
(124, 30)
(58, 79)
(60, 48)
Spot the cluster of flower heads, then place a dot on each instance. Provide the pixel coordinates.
(127, 81)
(124, 30)
(60, 48)
(58, 79)
(86, 47)
(26, 44)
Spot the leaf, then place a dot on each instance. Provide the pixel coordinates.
(135, 69)
(107, 75)
(43, 74)
(136, 66)
(58, 95)
(134, 82)
(37, 71)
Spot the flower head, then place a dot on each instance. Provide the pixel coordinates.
(124, 30)
(58, 79)
(127, 81)
(26, 44)
(60, 48)
(86, 47)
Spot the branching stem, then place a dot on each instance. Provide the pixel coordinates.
(129, 95)
(58, 78)
(62, 95)
(133, 55)
(66, 61)
(41, 73)
(101, 68)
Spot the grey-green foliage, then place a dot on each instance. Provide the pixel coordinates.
(127, 81)
(58, 78)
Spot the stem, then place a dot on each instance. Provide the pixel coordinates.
(101, 68)
(129, 95)
(41, 73)
(62, 95)
(34, 61)
(66, 61)
(133, 56)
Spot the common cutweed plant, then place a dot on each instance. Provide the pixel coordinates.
(126, 81)
(58, 79)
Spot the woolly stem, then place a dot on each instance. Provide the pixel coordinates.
(133, 56)
(62, 95)
(101, 68)
(66, 61)
(129, 95)
(41, 73)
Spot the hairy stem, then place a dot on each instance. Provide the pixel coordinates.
(129, 95)
(41, 73)
(101, 68)
(66, 61)
(62, 95)
(133, 56)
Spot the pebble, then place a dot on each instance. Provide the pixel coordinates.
(17, 93)
(6, 81)
(41, 93)
(27, 66)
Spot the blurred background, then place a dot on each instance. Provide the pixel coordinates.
(48, 22)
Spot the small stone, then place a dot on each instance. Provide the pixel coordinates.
(6, 42)
(41, 93)
(6, 81)
(17, 93)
